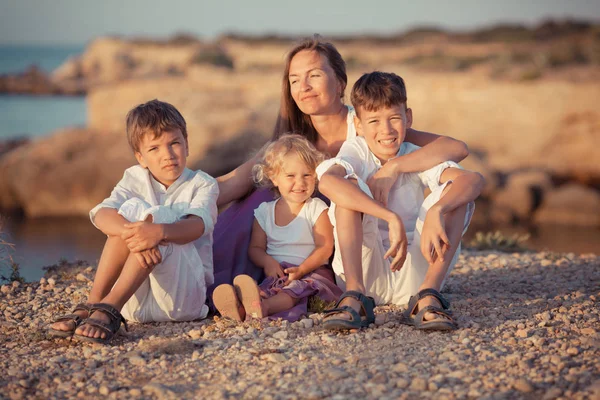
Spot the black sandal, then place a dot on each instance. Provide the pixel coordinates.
(76, 319)
(367, 316)
(110, 329)
(445, 323)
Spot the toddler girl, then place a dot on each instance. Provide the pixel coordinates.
(292, 239)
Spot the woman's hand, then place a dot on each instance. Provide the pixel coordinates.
(141, 236)
(434, 240)
(381, 183)
(398, 243)
(274, 269)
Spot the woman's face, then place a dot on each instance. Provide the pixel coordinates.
(313, 84)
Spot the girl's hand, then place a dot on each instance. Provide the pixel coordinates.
(274, 269)
(381, 183)
(398, 243)
(434, 241)
(294, 273)
(141, 236)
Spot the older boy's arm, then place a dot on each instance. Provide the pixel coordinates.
(346, 194)
(110, 222)
(434, 150)
(257, 252)
(145, 235)
(466, 187)
(323, 233)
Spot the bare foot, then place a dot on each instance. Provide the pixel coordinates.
(69, 326)
(93, 331)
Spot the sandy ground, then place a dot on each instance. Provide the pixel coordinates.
(529, 329)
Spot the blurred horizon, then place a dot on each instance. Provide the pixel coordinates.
(67, 22)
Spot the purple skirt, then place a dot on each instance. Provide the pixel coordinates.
(231, 239)
(319, 283)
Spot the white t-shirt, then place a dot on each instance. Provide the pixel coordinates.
(406, 195)
(294, 242)
(193, 193)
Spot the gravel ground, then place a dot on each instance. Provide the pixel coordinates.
(529, 329)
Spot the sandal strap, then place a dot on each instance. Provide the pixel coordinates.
(420, 317)
(367, 304)
(355, 316)
(115, 316)
(82, 307)
(69, 317)
(432, 292)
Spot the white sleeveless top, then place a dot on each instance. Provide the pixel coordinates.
(293, 242)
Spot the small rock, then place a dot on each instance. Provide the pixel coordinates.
(380, 378)
(588, 331)
(81, 278)
(380, 319)
(418, 384)
(195, 334)
(522, 333)
(135, 392)
(522, 385)
(16, 284)
(51, 281)
(5, 289)
(104, 390)
(137, 360)
(401, 383)
(273, 357)
(400, 367)
(572, 351)
(281, 335)
(307, 323)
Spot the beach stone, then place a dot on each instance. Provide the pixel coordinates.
(5, 289)
(281, 335)
(135, 392)
(307, 323)
(137, 361)
(104, 391)
(273, 357)
(523, 385)
(402, 383)
(522, 333)
(81, 278)
(418, 384)
(195, 334)
(588, 331)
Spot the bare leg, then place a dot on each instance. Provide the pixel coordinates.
(280, 302)
(132, 276)
(111, 263)
(436, 273)
(350, 237)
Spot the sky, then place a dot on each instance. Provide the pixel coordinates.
(79, 21)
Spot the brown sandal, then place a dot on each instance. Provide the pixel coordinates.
(109, 328)
(76, 319)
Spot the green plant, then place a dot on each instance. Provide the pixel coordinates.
(7, 262)
(318, 305)
(498, 241)
(214, 55)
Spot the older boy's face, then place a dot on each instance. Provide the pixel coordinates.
(384, 130)
(164, 156)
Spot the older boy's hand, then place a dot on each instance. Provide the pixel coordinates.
(381, 183)
(149, 258)
(141, 236)
(398, 243)
(434, 240)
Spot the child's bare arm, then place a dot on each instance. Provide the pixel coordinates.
(146, 235)
(434, 150)
(323, 233)
(346, 194)
(110, 222)
(257, 252)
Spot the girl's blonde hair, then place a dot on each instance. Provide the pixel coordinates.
(270, 164)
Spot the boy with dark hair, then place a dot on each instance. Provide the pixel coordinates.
(386, 253)
(157, 260)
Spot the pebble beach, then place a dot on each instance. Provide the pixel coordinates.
(529, 329)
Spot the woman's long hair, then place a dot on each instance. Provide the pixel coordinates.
(290, 118)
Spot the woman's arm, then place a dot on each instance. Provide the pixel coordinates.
(323, 234)
(237, 183)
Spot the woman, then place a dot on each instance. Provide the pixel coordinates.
(314, 82)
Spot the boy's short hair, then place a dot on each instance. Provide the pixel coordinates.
(375, 90)
(153, 117)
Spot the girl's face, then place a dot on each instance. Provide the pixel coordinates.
(295, 180)
(313, 84)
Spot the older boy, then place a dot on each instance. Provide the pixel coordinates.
(159, 220)
(422, 236)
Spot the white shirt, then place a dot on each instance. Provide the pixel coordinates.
(294, 242)
(193, 193)
(406, 195)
